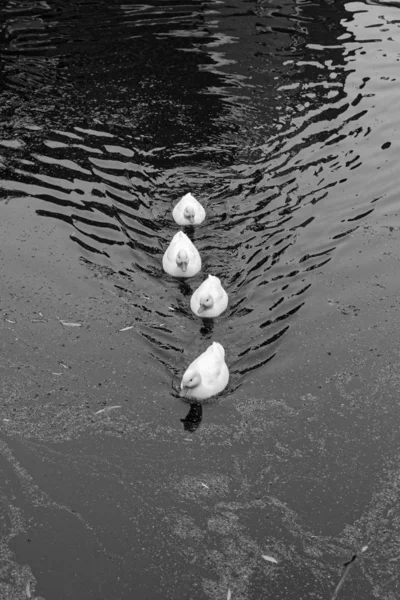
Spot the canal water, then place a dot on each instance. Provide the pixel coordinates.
(282, 119)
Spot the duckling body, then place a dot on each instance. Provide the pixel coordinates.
(210, 299)
(206, 376)
(181, 258)
(188, 211)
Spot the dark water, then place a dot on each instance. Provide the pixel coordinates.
(282, 119)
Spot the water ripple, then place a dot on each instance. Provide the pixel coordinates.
(276, 142)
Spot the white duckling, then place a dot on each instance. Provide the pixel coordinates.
(181, 258)
(210, 299)
(206, 376)
(188, 211)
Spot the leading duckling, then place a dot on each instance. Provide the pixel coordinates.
(188, 211)
(210, 299)
(181, 258)
(206, 376)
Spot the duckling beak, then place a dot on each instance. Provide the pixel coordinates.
(201, 309)
(183, 266)
(191, 218)
(183, 392)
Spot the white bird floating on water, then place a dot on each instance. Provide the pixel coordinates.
(181, 258)
(210, 299)
(206, 376)
(188, 211)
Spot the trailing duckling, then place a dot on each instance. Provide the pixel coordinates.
(206, 376)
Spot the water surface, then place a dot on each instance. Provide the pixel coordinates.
(281, 119)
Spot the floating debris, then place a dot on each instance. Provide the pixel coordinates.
(269, 558)
(67, 324)
(38, 320)
(107, 408)
(347, 567)
(229, 595)
(204, 485)
(9, 321)
(28, 590)
(364, 548)
(56, 373)
(126, 328)
(171, 308)
(65, 366)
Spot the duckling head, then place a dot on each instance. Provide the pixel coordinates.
(188, 213)
(190, 380)
(206, 301)
(182, 260)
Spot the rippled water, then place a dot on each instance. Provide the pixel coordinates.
(281, 118)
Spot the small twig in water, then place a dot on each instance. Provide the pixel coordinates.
(390, 559)
(68, 324)
(107, 408)
(269, 558)
(347, 567)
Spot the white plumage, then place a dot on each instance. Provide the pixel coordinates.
(210, 299)
(181, 258)
(188, 211)
(206, 376)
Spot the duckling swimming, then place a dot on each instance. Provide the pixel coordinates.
(181, 258)
(188, 211)
(206, 376)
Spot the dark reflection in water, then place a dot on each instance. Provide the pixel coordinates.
(272, 114)
(193, 419)
(207, 327)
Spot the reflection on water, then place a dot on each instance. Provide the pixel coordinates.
(193, 419)
(279, 117)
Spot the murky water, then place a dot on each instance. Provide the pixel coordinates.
(282, 119)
